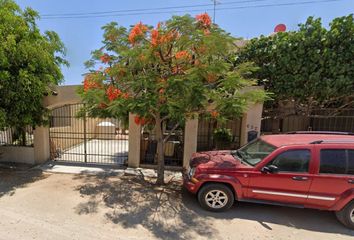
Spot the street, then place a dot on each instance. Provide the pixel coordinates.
(37, 205)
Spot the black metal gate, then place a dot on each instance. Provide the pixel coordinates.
(85, 139)
(206, 128)
(173, 148)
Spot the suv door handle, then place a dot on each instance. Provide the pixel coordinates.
(300, 178)
(351, 181)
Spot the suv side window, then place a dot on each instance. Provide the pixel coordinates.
(337, 161)
(292, 160)
(351, 162)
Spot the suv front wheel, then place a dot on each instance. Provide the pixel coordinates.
(216, 197)
(346, 215)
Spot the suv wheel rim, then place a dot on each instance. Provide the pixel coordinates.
(352, 215)
(216, 199)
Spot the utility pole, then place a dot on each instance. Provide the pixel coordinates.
(215, 2)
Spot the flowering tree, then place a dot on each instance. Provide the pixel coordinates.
(171, 72)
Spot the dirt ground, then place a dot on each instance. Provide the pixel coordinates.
(37, 205)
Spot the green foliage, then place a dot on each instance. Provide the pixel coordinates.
(181, 68)
(223, 135)
(313, 66)
(2, 118)
(170, 72)
(29, 65)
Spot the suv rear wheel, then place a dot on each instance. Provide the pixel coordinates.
(216, 197)
(346, 215)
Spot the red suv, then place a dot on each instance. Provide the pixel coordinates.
(302, 169)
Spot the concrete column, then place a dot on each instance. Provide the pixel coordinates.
(243, 137)
(190, 140)
(41, 144)
(134, 142)
(251, 121)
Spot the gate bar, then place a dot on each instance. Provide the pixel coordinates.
(85, 138)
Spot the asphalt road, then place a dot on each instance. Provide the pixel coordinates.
(37, 205)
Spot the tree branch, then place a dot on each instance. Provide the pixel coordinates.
(161, 55)
(164, 118)
(169, 50)
(153, 114)
(170, 133)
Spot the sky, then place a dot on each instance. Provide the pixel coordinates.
(239, 17)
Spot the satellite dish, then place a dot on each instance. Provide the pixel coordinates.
(280, 28)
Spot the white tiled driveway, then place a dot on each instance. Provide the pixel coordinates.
(98, 151)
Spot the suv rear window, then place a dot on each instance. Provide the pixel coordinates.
(337, 161)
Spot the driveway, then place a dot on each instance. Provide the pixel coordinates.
(98, 151)
(37, 205)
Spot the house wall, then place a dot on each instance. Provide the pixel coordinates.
(30, 155)
(40, 144)
(190, 140)
(134, 142)
(17, 154)
(65, 95)
(251, 121)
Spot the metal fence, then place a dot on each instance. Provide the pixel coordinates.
(85, 139)
(173, 148)
(16, 137)
(206, 128)
(319, 120)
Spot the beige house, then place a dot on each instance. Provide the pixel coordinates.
(108, 141)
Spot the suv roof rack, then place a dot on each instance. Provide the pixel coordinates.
(321, 132)
(332, 141)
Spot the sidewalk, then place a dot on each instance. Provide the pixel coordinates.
(70, 168)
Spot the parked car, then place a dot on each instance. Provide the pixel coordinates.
(299, 169)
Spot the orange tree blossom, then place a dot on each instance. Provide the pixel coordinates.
(172, 72)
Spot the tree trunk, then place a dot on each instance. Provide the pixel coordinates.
(19, 136)
(160, 152)
(23, 137)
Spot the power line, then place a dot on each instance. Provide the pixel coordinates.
(99, 15)
(193, 10)
(149, 9)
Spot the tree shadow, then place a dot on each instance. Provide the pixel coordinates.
(170, 212)
(307, 219)
(13, 177)
(131, 201)
(265, 215)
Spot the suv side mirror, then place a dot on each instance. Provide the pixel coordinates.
(270, 169)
